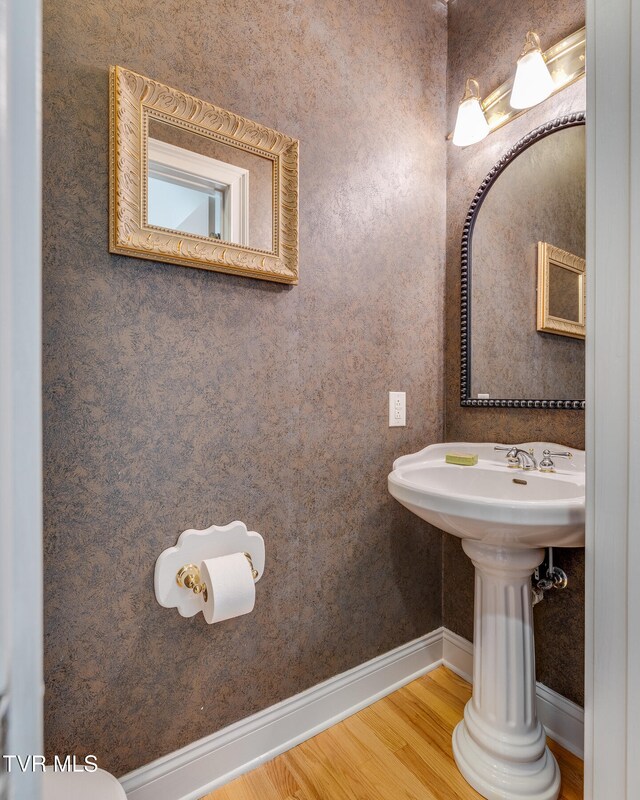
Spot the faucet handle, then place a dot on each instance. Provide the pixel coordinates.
(512, 454)
(547, 465)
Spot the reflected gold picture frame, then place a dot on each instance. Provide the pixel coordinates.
(133, 101)
(549, 256)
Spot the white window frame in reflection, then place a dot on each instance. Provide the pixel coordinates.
(226, 184)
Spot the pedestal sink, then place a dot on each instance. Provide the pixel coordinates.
(505, 517)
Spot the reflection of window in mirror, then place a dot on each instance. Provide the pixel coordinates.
(196, 194)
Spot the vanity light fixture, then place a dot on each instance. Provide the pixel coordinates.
(471, 123)
(533, 82)
(564, 62)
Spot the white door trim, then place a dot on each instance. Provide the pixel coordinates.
(205, 765)
(20, 386)
(612, 689)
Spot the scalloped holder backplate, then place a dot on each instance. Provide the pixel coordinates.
(195, 546)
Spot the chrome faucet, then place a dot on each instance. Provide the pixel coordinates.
(519, 459)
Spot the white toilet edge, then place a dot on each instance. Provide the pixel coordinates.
(98, 785)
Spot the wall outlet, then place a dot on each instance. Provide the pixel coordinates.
(397, 409)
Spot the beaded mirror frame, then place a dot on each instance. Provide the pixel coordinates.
(568, 121)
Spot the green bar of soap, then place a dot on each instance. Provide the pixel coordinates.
(462, 459)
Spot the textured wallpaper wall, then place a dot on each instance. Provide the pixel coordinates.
(484, 42)
(178, 398)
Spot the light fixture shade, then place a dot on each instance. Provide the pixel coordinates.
(471, 123)
(533, 82)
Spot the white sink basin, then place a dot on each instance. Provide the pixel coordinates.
(505, 517)
(491, 502)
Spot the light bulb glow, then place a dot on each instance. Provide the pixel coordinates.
(471, 123)
(533, 82)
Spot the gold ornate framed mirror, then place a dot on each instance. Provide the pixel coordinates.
(196, 185)
(561, 292)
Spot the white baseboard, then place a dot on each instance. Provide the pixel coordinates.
(457, 654)
(562, 719)
(208, 763)
(202, 766)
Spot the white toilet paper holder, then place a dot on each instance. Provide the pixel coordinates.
(177, 570)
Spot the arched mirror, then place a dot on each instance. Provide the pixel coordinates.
(524, 276)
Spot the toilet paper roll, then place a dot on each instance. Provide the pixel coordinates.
(231, 590)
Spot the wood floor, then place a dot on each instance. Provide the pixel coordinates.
(399, 747)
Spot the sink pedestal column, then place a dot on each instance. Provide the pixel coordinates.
(500, 745)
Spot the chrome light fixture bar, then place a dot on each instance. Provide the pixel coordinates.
(566, 64)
